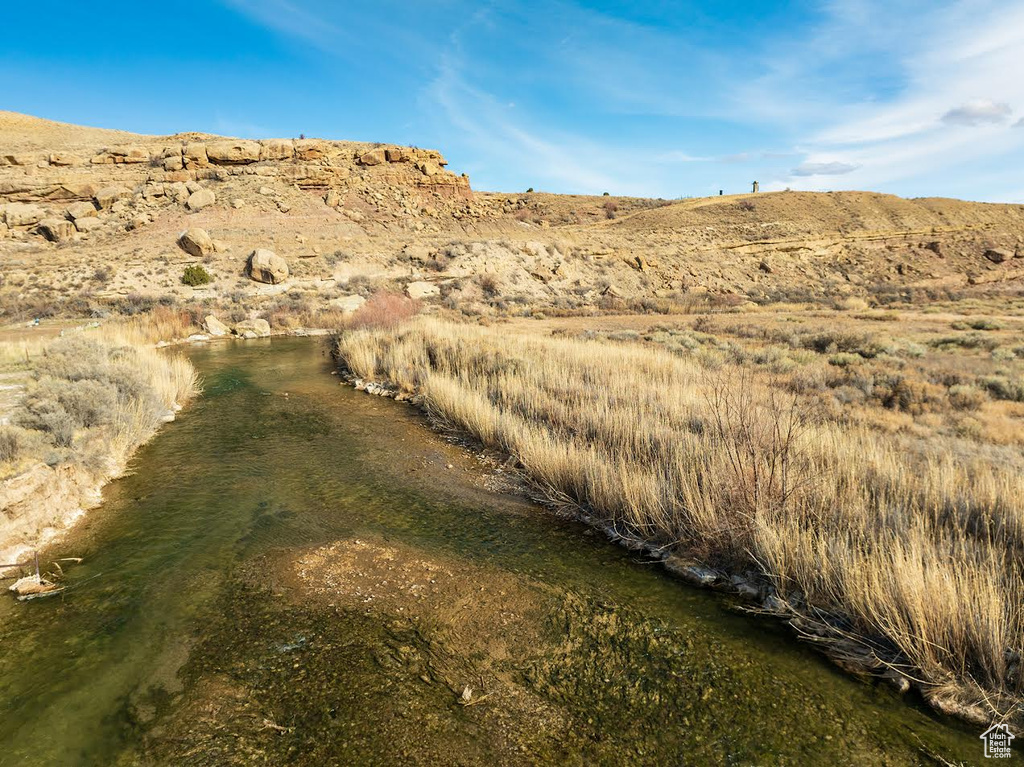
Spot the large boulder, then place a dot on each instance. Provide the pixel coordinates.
(998, 255)
(196, 242)
(200, 199)
(215, 327)
(90, 224)
(22, 214)
(239, 152)
(418, 290)
(348, 304)
(77, 210)
(56, 229)
(253, 329)
(177, 191)
(266, 266)
(108, 195)
(311, 149)
(429, 168)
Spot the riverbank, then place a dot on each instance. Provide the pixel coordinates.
(78, 407)
(294, 572)
(892, 561)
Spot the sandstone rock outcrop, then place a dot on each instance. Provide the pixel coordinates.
(215, 327)
(56, 229)
(421, 289)
(257, 328)
(200, 199)
(267, 267)
(276, 149)
(233, 152)
(21, 214)
(77, 210)
(196, 242)
(108, 195)
(194, 155)
(86, 225)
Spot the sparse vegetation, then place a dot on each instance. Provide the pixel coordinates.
(196, 275)
(89, 396)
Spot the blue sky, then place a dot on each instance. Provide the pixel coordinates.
(663, 99)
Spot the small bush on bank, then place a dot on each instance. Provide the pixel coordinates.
(384, 310)
(1002, 387)
(13, 443)
(966, 397)
(196, 275)
(82, 385)
(977, 323)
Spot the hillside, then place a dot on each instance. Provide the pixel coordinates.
(90, 217)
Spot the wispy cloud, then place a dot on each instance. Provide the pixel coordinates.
(978, 113)
(824, 169)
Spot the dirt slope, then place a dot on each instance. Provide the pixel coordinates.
(90, 216)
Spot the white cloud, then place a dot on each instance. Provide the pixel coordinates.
(978, 113)
(680, 156)
(901, 138)
(824, 169)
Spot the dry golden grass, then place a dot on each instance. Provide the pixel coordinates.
(905, 554)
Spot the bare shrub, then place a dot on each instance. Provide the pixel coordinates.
(966, 397)
(385, 309)
(14, 443)
(489, 285)
(760, 436)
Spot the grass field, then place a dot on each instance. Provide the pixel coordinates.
(875, 482)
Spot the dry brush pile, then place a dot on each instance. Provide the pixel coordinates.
(904, 561)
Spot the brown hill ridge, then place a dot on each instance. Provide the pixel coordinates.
(93, 215)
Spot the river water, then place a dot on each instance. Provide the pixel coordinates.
(298, 573)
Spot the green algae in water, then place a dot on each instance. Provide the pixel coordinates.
(185, 643)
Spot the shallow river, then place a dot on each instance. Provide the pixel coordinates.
(298, 573)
